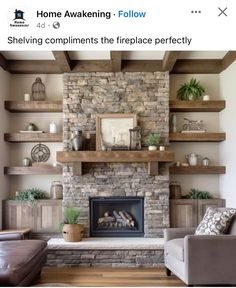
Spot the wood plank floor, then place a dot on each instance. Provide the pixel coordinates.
(108, 277)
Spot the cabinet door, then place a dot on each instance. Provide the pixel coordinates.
(49, 216)
(17, 215)
(203, 204)
(183, 213)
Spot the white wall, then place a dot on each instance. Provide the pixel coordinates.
(21, 84)
(4, 93)
(211, 83)
(228, 147)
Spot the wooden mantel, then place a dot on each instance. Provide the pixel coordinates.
(151, 157)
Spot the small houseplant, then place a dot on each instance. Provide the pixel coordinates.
(191, 90)
(152, 141)
(30, 196)
(197, 194)
(72, 231)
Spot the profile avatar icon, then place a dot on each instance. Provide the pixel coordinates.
(19, 15)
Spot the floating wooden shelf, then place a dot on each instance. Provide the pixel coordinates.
(47, 170)
(152, 157)
(196, 137)
(33, 137)
(197, 170)
(33, 106)
(196, 106)
(115, 156)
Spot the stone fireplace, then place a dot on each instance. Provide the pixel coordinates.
(145, 94)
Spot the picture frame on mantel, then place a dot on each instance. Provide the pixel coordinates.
(112, 131)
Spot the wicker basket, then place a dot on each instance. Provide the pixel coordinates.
(73, 232)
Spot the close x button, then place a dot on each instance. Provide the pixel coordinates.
(222, 11)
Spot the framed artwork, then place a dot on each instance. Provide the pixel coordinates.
(112, 131)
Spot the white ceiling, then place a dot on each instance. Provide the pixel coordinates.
(105, 55)
(89, 55)
(202, 55)
(28, 55)
(143, 55)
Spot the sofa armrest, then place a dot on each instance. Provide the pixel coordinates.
(11, 236)
(210, 259)
(173, 233)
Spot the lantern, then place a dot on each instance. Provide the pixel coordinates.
(135, 138)
(38, 90)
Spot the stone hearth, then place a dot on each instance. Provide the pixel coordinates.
(145, 94)
(112, 252)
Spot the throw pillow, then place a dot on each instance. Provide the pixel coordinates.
(215, 221)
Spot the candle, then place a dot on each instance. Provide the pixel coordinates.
(27, 97)
(162, 148)
(206, 98)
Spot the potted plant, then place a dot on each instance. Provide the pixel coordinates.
(191, 90)
(197, 194)
(30, 196)
(72, 231)
(152, 141)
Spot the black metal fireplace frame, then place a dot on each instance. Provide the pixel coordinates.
(127, 233)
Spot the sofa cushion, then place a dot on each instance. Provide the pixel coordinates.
(175, 248)
(215, 221)
(18, 258)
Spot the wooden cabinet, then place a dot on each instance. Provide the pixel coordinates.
(183, 213)
(189, 212)
(43, 217)
(16, 215)
(49, 216)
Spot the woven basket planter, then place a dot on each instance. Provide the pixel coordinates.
(73, 232)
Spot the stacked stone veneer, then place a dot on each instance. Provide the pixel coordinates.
(110, 258)
(147, 95)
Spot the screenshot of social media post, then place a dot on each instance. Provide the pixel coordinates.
(117, 143)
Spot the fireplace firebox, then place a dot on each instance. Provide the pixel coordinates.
(117, 217)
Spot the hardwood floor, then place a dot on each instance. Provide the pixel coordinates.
(105, 277)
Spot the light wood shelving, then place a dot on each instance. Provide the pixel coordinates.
(196, 137)
(47, 170)
(33, 137)
(33, 106)
(198, 170)
(197, 106)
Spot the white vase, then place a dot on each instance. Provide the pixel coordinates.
(152, 148)
(53, 127)
(192, 159)
(190, 97)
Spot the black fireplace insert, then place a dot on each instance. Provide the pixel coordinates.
(116, 216)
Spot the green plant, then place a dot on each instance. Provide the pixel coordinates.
(30, 195)
(153, 139)
(190, 89)
(71, 215)
(197, 194)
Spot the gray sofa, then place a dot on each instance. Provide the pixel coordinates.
(201, 260)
